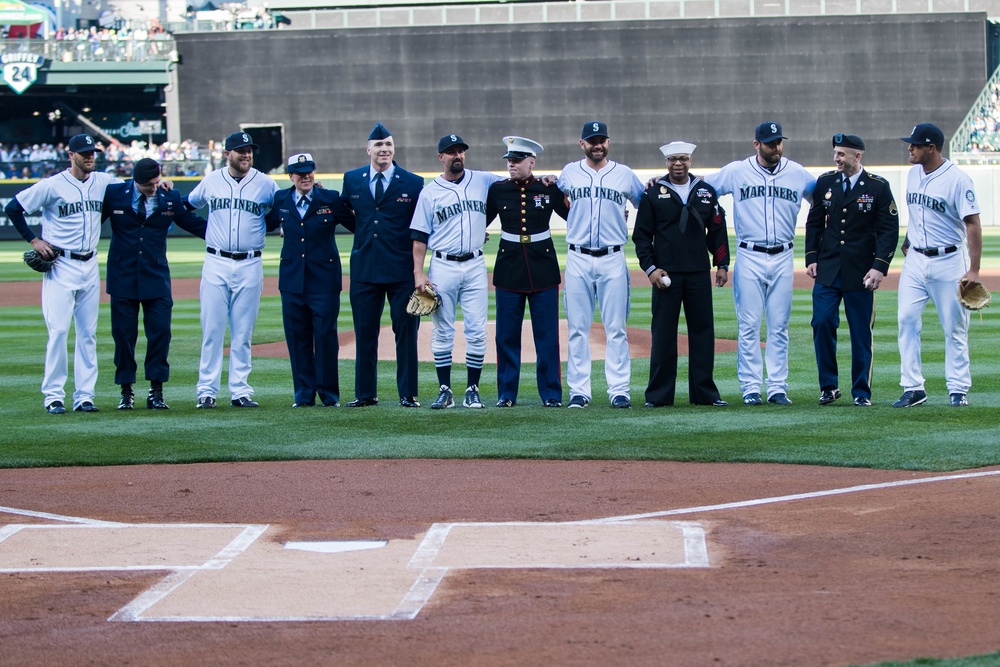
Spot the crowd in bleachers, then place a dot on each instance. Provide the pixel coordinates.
(111, 44)
(984, 136)
(187, 158)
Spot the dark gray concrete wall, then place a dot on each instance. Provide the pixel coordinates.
(705, 81)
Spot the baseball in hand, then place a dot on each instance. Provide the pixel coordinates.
(665, 279)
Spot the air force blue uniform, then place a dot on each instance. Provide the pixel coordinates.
(138, 275)
(309, 280)
(382, 267)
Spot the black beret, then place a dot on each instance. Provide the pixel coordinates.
(145, 170)
(848, 141)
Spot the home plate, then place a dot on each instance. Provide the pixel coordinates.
(336, 547)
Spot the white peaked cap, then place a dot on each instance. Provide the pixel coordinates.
(521, 147)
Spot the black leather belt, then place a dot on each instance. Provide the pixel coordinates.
(768, 249)
(238, 256)
(75, 255)
(458, 258)
(934, 252)
(595, 252)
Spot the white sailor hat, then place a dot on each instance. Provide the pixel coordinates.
(519, 147)
(677, 148)
(301, 163)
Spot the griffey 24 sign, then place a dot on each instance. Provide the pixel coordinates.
(20, 70)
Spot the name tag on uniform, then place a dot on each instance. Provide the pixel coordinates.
(355, 196)
(118, 212)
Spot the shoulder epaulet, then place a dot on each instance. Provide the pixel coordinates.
(876, 177)
(830, 173)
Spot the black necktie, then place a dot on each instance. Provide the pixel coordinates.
(141, 210)
(379, 190)
(847, 185)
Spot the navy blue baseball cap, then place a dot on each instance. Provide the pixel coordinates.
(594, 128)
(379, 132)
(925, 134)
(83, 143)
(849, 141)
(239, 140)
(768, 131)
(450, 141)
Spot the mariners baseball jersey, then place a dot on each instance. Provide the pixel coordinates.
(938, 203)
(454, 214)
(71, 209)
(597, 203)
(765, 204)
(236, 210)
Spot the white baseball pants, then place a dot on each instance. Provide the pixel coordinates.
(462, 283)
(71, 295)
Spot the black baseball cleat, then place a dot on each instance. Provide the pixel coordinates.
(828, 396)
(206, 402)
(578, 401)
(445, 399)
(86, 406)
(127, 401)
(910, 399)
(154, 401)
(244, 402)
(621, 402)
(779, 399)
(363, 402)
(959, 399)
(56, 408)
(862, 402)
(552, 403)
(752, 398)
(409, 402)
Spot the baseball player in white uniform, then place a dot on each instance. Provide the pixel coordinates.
(450, 221)
(70, 203)
(768, 191)
(943, 244)
(232, 278)
(596, 232)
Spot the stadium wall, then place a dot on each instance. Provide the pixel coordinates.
(707, 81)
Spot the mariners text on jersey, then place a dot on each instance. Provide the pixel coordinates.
(72, 208)
(444, 212)
(752, 191)
(596, 192)
(920, 199)
(218, 204)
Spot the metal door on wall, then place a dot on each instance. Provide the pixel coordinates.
(271, 139)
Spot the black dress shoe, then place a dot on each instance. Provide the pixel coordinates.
(862, 402)
(244, 402)
(719, 403)
(363, 403)
(56, 408)
(653, 404)
(304, 405)
(828, 396)
(86, 406)
(127, 402)
(552, 403)
(154, 401)
(409, 402)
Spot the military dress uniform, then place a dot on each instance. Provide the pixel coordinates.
(848, 234)
(310, 280)
(684, 238)
(527, 270)
(138, 276)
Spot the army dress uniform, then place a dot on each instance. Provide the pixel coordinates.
(848, 234)
(526, 270)
(684, 238)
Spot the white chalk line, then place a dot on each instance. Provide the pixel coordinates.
(795, 496)
(59, 517)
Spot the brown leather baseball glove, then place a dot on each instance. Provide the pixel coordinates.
(423, 303)
(973, 296)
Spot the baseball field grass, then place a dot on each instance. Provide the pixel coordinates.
(932, 437)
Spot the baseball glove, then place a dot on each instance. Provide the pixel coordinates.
(973, 296)
(33, 259)
(423, 303)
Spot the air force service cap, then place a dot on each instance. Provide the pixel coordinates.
(379, 132)
(450, 141)
(83, 143)
(677, 148)
(301, 163)
(768, 131)
(145, 170)
(925, 134)
(519, 147)
(594, 128)
(239, 140)
(849, 141)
